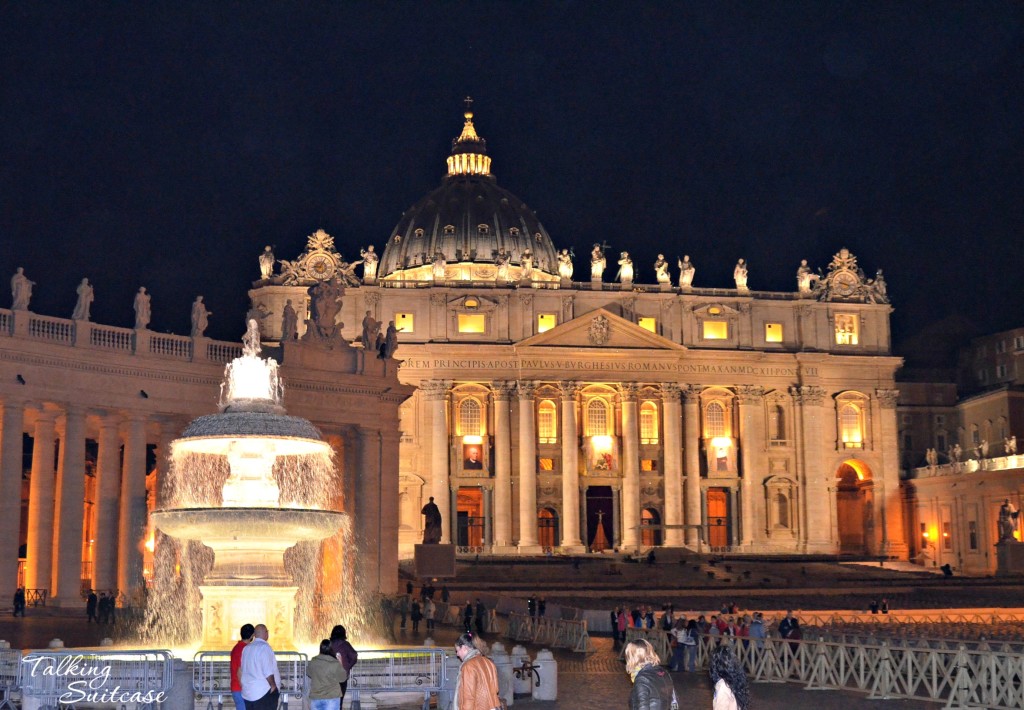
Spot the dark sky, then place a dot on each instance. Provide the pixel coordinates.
(163, 144)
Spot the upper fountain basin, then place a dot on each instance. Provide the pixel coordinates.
(256, 525)
(213, 433)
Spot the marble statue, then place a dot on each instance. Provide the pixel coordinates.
(739, 275)
(686, 272)
(439, 265)
(805, 278)
(1010, 445)
(85, 298)
(932, 457)
(142, 309)
(565, 265)
(955, 453)
(347, 272)
(369, 264)
(1007, 521)
(266, 263)
(625, 274)
(257, 313)
(289, 322)
(21, 290)
(661, 270)
(598, 262)
(324, 306)
(431, 523)
(200, 317)
(390, 344)
(879, 288)
(982, 449)
(526, 265)
(502, 260)
(371, 328)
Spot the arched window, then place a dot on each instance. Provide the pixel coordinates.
(547, 527)
(597, 418)
(648, 423)
(547, 422)
(470, 419)
(776, 423)
(851, 426)
(782, 509)
(714, 420)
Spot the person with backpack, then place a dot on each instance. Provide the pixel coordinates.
(326, 678)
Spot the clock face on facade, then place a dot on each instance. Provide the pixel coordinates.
(320, 267)
(845, 283)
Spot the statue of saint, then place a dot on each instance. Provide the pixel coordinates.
(878, 286)
(502, 261)
(565, 265)
(431, 523)
(142, 309)
(371, 328)
(200, 317)
(625, 274)
(983, 449)
(369, 264)
(1007, 521)
(1010, 445)
(21, 290)
(439, 265)
(526, 265)
(686, 272)
(257, 313)
(932, 457)
(325, 304)
(661, 270)
(85, 298)
(390, 344)
(955, 452)
(739, 275)
(805, 278)
(347, 272)
(266, 263)
(289, 323)
(597, 263)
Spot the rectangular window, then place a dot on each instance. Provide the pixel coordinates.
(546, 321)
(546, 464)
(972, 534)
(847, 329)
(716, 330)
(773, 332)
(947, 536)
(940, 420)
(648, 465)
(547, 423)
(404, 322)
(908, 441)
(648, 323)
(1000, 371)
(1000, 346)
(940, 442)
(472, 323)
(1018, 342)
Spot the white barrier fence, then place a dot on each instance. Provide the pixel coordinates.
(557, 633)
(71, 679)
(411, 670)
(10, 677)
(211, 677)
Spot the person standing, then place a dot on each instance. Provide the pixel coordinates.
(403, 608)
(731, 692)
(481, 617)
(345, 653)
(19, 602)
(467, 617)
(90, 606)
(652, 685)
(477, 685)
(261, 680)
(416, 614)
(429, 609)
(245, 637)
(615, 626)
(326, 678)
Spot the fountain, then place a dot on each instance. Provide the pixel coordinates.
(250, 483)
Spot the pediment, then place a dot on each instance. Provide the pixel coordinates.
(715, 310)
(600, 329)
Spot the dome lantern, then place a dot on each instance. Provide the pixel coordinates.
(469, 150)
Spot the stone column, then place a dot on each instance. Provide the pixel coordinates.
(570, 470)
(108, 485)
(11, 462)
(69, 511)
(751, 405)
(893, 535)
(816, 494)
(502, 541)
(528, 543)
(673, 439)
(436, 392)
(488, 492)
(132, 523)
(630, 469)
(40, 504)
(616, 517)
(388, 562)
(367, 512)
(691, 450)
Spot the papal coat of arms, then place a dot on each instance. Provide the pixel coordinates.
(599, 331)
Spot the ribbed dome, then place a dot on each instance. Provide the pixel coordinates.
(469, 219)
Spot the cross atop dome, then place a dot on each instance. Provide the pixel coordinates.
(469, 150)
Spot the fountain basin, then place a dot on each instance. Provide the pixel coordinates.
(215, 433)
(260, 526)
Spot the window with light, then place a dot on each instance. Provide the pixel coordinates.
(472, 323)
(405, 322)
(470, 418)
(546, 321)
(714, 420)
(597, 418)
(716, 330)
(648, 423)
(847, 329)
(647, 323)
(851, 426)
(547, 423)
(773, 332)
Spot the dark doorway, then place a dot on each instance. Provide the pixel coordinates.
(600, 503)
(718, 517)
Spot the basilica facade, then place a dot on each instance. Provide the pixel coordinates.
(567, 412)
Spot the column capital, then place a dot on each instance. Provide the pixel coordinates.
(691, 393)
(569, 388)
(808, 395)
(629, 391)
(14, 403)
(435, 390)
(887, 398)
(670, 391)
(502, 389)
(526, 388)
(750, 394)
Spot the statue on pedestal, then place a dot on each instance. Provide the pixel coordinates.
(526, 265)
(21, 290)
(598, 262)
(805, 278)
(289, 323)
(431, 523)
(565, 265)
(369, 264)
(880, 291)
(931, 456)
(200, 317)
(389, 345)
(324, 306)
(686, 272)
(661, 270)
(439, 265)
(266, 260)
(371, 328)
(1010, 445)
(625, 274)
(142, 309)
(1007, 521)
(739, 275)
(85, 298)
(502, 260)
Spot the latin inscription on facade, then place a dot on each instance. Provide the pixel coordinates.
(612, 366)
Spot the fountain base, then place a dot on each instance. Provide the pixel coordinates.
(227, 608)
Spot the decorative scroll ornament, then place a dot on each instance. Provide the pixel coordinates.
(599, 332)
(318, 263)
(847, 282)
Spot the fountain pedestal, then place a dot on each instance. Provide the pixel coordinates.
(226, 608)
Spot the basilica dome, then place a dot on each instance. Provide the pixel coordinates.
(468, 227)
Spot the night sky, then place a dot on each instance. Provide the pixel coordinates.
(163, 144)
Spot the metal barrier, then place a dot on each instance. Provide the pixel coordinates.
(10, 676)
(211, 676)
(69, 679)
(544, 631)
(411, 670)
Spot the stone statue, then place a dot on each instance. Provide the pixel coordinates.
(625, 274)
(431, 523)
(931, 456)
(955, 453)
(526, 265)
(739, 275)
(983, 449)
(325, 304)
(661, 270)
(200, 317)
(257, 313)
(565, 265)
(371, 328)
(598, 262)
(289, 323)
(369, 265)
(266, 263)
(502, 260)
(1010, 445)
(805, 278)
(84, 302)
(142, 309)
(439, 265)
(686, 272)
(880, 290)
(390, 344)
(21, 290)
(1007, 521)
(347, 272)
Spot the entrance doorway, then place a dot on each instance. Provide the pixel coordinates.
(599, 512)
(718, 517)
(547, 527)
(470, 514)
(854, 508)
(650, 528)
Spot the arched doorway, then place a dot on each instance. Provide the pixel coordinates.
(650, 528)
(855, 508)
(547, 527)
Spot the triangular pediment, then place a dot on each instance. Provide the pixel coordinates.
(600, 329)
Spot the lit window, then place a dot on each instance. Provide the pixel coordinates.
(472, 323)
(546, 321)
(773, 332)
(846, 329)
(714, 420)
(597, 418)
(545, 464)
(471, 303)
(947, 536)
(648, 465)
(716, 330)
(547, 422)
(850, 425)
(648, 423)
(650, 324)
(469, 418)
(404, 322)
